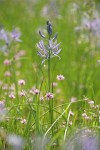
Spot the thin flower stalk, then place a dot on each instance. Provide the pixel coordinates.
(48, 51)
(49, 29)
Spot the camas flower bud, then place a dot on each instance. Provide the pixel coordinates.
(49, 28)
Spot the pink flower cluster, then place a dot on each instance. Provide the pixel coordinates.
(21, 82)
(60, 77)
(49, 96)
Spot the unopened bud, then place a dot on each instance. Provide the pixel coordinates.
(49, 28)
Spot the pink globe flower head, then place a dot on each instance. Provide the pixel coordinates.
(22, 94)
(5, 87)
(36, 91)
(71, 113)
(91, 102)
(41, 98)
(6, 62)
(84, 115)
(12, 96)
(23, 121)
(60, 77)
(49, 96)
(7, 74)
(54, 84)
(21, 82)
(73, 99)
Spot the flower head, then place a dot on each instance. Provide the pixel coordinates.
(12, 96)
(41, 98)
(7, 74)
(90, 26)
(4, 36)
(15, 141)
(3, 110)
(21, 82)
(16, 35)
(23, 121)
(22, 93)
(73, 99)
(36, 91)
(71, 113)
(60, 77)
(6, 62)
(49, 96)
(48, 49)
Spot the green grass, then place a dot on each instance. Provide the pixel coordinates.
(78, 64)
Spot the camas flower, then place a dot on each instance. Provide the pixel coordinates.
(49, 50)
(15, 141)
(16, 35)
(91, 25)
(5, 36)
(8, 37)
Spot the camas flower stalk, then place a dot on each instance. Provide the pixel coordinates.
(49, 48)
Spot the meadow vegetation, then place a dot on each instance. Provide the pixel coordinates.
(49, 75)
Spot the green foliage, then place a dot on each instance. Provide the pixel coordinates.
(26, 111)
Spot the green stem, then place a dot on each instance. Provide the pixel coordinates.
(38, 112)
(49, 73)
(49, 90)
(49, 70)
(52, 109)
(15, 80)
(49, 84)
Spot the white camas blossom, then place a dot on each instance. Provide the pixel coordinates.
(8, 38)
(15, 141)
(90, 26)
(83, 139)
(15, 34)
(3, 111)
(4, 36)
(49, 50)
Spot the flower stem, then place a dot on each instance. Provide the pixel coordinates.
(49, 90)
(49, 65)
